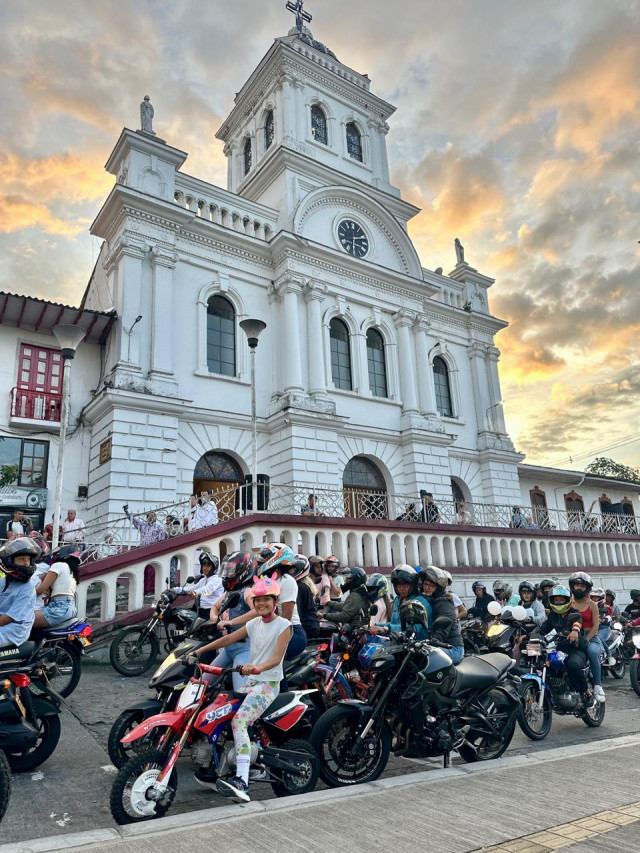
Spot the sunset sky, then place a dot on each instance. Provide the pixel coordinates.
(517, 130)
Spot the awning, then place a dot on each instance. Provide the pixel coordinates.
(38, 315)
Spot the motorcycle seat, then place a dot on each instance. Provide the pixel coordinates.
(62, 629)
(13, 653)
(478, 671)
(279, 702)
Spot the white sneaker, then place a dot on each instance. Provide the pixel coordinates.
(598, 692)
(611, 660)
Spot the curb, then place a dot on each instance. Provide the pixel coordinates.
(238, 812)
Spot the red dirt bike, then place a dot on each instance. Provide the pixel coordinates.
(146, 785)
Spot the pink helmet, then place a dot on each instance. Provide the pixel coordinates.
(265, 586)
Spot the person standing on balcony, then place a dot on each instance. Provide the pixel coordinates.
(48, 532)
(311, 508)
(191, 521)
(517, 518)
(72, 528)
(150, 530)
(20, 524)
(430, 513)
(208, 510)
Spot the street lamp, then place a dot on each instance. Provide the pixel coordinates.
(252, 329)
(69, 337)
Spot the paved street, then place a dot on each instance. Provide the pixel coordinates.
(69, 794)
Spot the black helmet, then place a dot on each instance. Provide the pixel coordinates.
(18, 548)
(206, 558)
(237, 570)
(546, 582)
(69, 554)
(580, 577)
(611, 593)
(502, 590)
(634, 593)
(436, 576)
(527, 586)
(404, 573)
(413, 612)
(299, 567)
(478, 585)
(353, 578)
(376, 587)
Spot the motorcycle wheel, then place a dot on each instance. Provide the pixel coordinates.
(289, 784)
(594, 716)
(5, 784)
(120, 753)
(62, 664)
(333, 737)
(128, 800)
(133, 651)
(481, 746)
(34, 756)
(634, 675)
(534, 721)
(618, 671)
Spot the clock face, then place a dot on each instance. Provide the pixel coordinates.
(352, 238)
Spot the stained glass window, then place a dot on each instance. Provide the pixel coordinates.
(360, 473)
(319, 125)
(442, 387)
(269, 130)
(376, 363)
(221, 336)
(219, 467)
(340, 355)
(354, 142)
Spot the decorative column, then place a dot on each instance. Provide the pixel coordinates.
(229, 152)
(497, 412)
(129, 256)
(314, 294)
(289, 289)
(298, 86)
(162, 330)
(403, 320)
(481, 399)
(426, 387)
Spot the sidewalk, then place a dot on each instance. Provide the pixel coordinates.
(457, 810)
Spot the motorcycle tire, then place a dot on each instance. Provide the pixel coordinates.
(619, 670)
(129, 804)
(289, 785)
(5, 784)
(120, 753)
(62, 663)
(133, 651)
(534, 721)
(331, 738)
(634, 675)
(480, 747)
(34, 756)
(593, 717)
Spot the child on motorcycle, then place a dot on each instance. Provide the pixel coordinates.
(269, 635)
(567, 622)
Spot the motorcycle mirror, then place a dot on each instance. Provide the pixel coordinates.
(190, 579)
(494, 608)
(519, 613)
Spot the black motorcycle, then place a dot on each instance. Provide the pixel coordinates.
(60, 650)
(133, 651)
(423, 706)
(29, 723)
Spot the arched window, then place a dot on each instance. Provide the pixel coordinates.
(539, 507)
(354, 142)
(442, 386)
(247, 156)
(319, 125)
(364, 489)
(376, 362)
(221, 336)
(340, 355)
(269, 131)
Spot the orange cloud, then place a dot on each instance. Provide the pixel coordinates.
(17, 213)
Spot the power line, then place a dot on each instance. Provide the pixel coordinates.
(613, 446)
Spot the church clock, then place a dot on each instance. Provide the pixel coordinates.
(353, 238)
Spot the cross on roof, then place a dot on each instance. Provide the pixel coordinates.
(301, 15)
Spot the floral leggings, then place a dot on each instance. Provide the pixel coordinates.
(260, 694)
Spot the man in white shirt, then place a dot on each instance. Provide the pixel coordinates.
(72, 528)
(208, 510)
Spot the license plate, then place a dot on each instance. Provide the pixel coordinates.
(533, 650)
(191, 694)
(84, 641)
(495, 630)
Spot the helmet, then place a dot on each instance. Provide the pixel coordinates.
(39, 539)
(300, 568)
(546, 583)
(18, 548)
(435, 575)
(267, 552)
(209, 559)
(502, 590)
(353, 578)
(65, 553)
(580, 577)
(282, 557)
(447, 576)
(559, 591)
(376, 587)
(331, 565)
(405, 574)
(237, 570)
(413, 612)
(611, 593)
(634, 593)
(478, 585)
(264, 586)
(597, 594)
(527, 586)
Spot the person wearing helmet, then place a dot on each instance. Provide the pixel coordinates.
(461, 610)
(41, 567)
(544, 587)
(432, 582)
(528, 600)
(17, 595)
(332, 569)
(483, 599)
(59, 586)
(610, 598)
(581, 585)
(377, 590)
(306, 602)
(354, 610)
(605, 613)
(503, 592)
(567, 622)
(269, 637)
(282, 561)
(320, 580)
(404, 580)
(208, 586)
(632, 610)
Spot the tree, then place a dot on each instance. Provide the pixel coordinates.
(606, 467)
(8, 475)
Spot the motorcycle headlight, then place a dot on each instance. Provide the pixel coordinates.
(636, 641)
(617, 626)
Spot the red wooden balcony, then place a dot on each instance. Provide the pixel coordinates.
(35, 408)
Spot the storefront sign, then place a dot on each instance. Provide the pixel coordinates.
(105, 451)
(20, 497)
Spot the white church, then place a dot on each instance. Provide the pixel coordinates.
(374, 374)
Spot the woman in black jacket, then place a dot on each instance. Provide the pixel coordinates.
(432, 582)
(483, 599)
(307, 592)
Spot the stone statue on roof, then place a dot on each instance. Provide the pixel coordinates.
(459, 251)
(146, 116)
